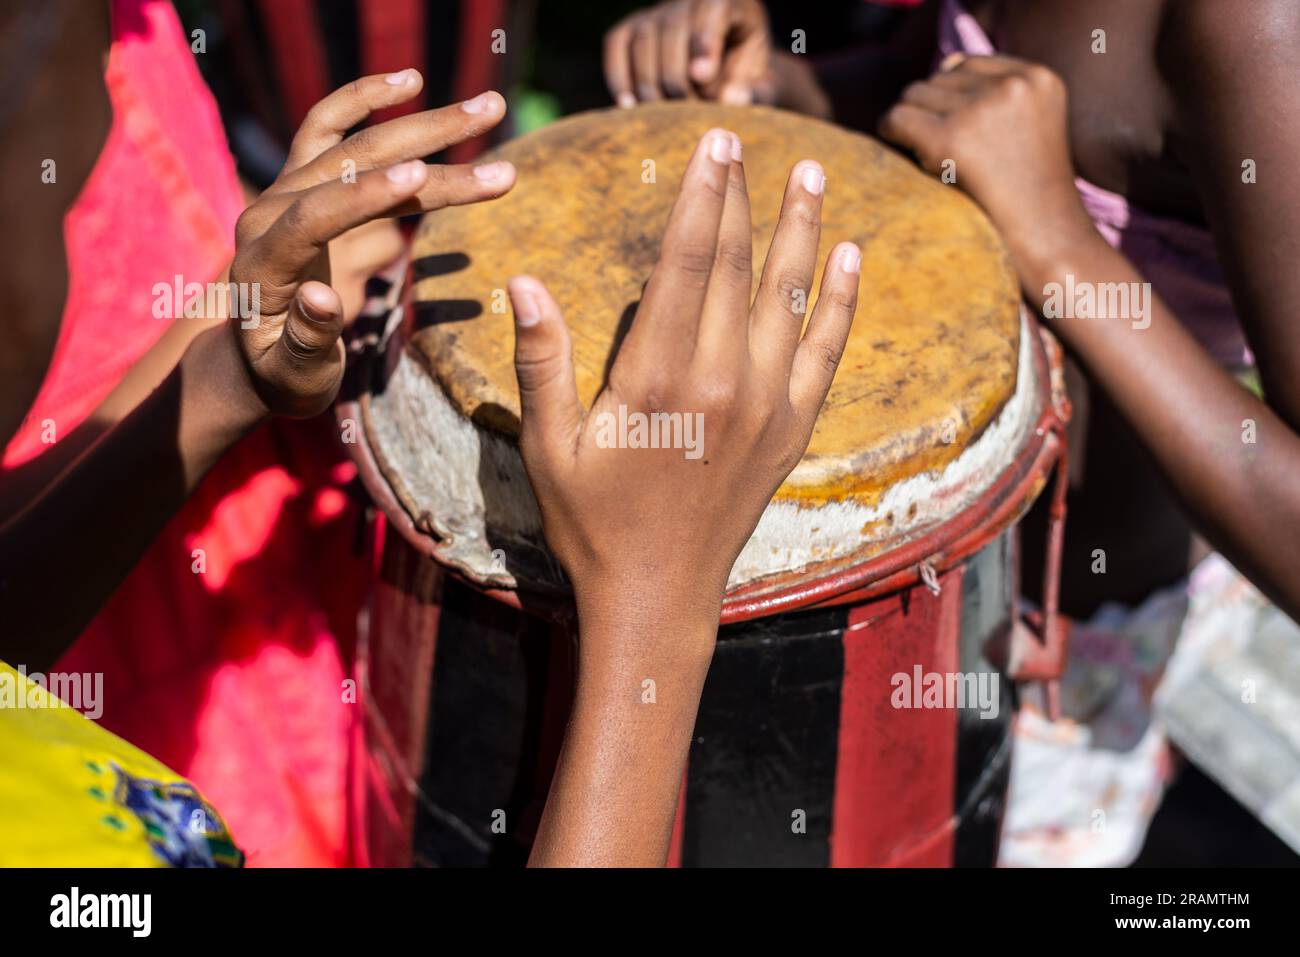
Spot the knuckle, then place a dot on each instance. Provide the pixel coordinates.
(1015, 86)
(536, 369)
(787, 457)
(826, 354)
(735, 256)
(360, 144)
(912, 90)
(295, 219)
(694, 260)
(790, 287)
(718, 395)
(841, 300)
(247, 226)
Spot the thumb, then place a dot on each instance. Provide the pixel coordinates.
(313, 325)
(550, 413)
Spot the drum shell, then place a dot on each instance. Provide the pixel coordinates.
(798, 757)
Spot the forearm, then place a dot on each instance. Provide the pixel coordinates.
(1228, 457)
(62, 556)
(614, 795)
(28, 481)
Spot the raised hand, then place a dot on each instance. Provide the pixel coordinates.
(648, 535)
(331, 184)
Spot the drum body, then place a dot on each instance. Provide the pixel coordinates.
(859, 705)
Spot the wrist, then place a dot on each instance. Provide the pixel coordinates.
(1045, 255)
(213, 371)
(653, 623)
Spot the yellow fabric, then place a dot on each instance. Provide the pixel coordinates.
(63, 781)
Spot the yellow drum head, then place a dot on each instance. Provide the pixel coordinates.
(932, 358)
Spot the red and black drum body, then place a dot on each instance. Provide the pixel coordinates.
(798, 758)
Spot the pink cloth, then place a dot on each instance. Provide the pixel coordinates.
(233, 677)
(1178, 258)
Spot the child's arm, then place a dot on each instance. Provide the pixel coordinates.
(1232, 459)
(64, 553)
(648, 536)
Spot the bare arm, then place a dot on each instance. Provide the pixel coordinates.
(63, 554)
(1230, 458)
(648, 536)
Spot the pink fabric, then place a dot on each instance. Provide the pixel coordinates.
(1178, 258)
(233, 677)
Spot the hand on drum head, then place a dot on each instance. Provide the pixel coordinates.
(714, 49)
(332, 183)
(710, 402)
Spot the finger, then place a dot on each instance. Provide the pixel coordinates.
(932, 97)
(454, 185)
(819, 352)
(311, 328)
(911, 127)
(674, 296)
(460, 185)
(986, 65)
(743, 67)
(675, 50)
(279, 256)
(724, 325)
(550, 413)
(962, 81)
(645, 60)
(329, 120)
(618, 63)
(710, 20)
(404, 138)
(785, 288)
(952, 61)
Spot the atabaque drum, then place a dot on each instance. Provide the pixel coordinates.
(859, 705)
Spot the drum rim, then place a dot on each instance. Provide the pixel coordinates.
(941, 547)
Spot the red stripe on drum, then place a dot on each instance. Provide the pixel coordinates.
(896, 766)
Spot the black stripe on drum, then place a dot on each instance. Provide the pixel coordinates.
(765, 744)
(487, 757)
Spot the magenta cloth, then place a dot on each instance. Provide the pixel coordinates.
(1178, 258)
(233, 676)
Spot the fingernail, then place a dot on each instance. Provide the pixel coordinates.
(400, 78)
(851, 259)
(626, 100)
(316, 302)
(735, 148)
(813, 179)
(701, 69)
(720, 148)
(527, 312)
(951, 61)
(404, 173)
(492, 172)
(480, 104)
(737, 96)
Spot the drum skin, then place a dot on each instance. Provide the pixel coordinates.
(933, 353)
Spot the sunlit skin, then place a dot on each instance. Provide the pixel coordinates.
(640, 531)
(1186, 91)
